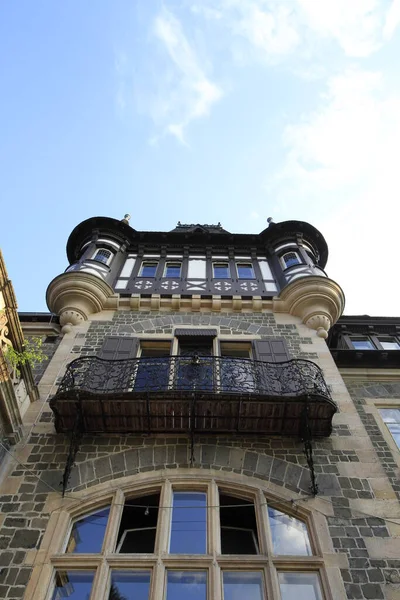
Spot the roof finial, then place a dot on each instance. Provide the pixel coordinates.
(270, 220)
(126, 218)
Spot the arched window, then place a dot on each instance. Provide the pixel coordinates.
(290, 259)
(103, 255)
(189, 538)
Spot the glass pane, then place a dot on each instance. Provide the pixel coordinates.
(148, 269)
(289, 535)
(390, 415)
(130, 585)
(189, 523)
(75, 585)
(363, 345)
(291, 259)
(173, 270)
(238, 525)
(300, 586)
(137, 530)
(186, 585)
(390, 345)
(243, 585)
(221, 271)
(87, 534)
(394, 429)
(245, 271)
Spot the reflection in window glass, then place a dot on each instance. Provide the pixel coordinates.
(300, 586)
(173, 270)
(148, 269)
(186, 585)
(132, 585)
(391, 416)
(363, 345)
(221, 271)
(243, 585)
(290, 259)
(189, 523)
(245, 270)
(103, 256)
(87, 534)
(389, 344)
(289, 535)
(74, 585)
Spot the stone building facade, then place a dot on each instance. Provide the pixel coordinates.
(195, 435)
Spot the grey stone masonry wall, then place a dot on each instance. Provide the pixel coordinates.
(360, 391)
(342, 475)
(131, 323)
(48, 348)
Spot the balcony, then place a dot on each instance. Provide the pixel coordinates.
(198, 394)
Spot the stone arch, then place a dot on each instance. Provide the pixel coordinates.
(208, 455)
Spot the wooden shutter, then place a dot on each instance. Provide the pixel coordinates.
(117, 348)
(273, 350)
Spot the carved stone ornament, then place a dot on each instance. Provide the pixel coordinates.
(318, 301)
(76, 295)
(4, 341)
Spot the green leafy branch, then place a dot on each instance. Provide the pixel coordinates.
(32, 354)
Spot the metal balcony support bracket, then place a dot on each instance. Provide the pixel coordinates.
(306, 437)
(75, 441)
(192, 426)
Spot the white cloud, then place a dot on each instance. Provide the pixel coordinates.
(188, 94)
(356, 25)
(342, 162)
(392, 20)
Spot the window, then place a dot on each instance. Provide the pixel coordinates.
(290, 259)
(362, 344)
(221, 271)
(168, 536)
(148, 269)
(104, 256)
(245, 270)
(389, 343)
(172, 269)
(391, 417)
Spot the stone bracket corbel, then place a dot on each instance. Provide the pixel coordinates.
(318, 301)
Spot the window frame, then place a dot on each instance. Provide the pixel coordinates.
(169, 263)
(219, 263)
(294, 251)
(102, 262)
(158, 562)
(245, 262)
(142, 266)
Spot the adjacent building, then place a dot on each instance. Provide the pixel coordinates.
(208, 426)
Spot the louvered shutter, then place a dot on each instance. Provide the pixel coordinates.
(273, 350)
(118, 348)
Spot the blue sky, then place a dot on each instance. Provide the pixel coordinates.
(202, 111)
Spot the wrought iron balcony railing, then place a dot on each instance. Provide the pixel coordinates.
(211, 374)
(206, 394)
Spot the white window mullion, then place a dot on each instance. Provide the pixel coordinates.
(110, 537)
(164, 520)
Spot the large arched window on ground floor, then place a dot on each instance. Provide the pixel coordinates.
(189, 539)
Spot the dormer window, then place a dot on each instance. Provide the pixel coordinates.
(173, 269)
(104, 256)
(148, 269)
(290, 259)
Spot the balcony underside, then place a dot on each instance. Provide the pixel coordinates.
(199, 412)
(208, 395)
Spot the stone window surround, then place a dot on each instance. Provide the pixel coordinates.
(51, 556)
(372, 407)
